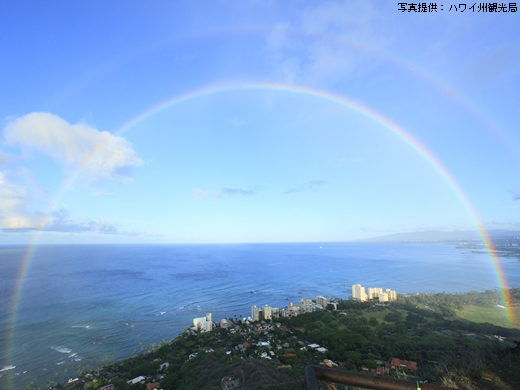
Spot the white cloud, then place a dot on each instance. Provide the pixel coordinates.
(331, 47)
(16, 214)
(5, 158)
(14, 202)
(60, 222)
(100, 154)
(309, 186)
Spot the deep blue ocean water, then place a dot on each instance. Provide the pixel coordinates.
(85, 301)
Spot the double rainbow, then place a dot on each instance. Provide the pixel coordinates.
(387, 124)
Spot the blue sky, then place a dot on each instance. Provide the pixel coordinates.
(249, 162)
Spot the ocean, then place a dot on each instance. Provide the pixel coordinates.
(82, 302)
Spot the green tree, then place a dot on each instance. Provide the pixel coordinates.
(394, 316)
(32, 386)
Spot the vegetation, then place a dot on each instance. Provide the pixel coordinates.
(358, 336)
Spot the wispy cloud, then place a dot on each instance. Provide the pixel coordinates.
(102, 193)
(17, 219)
(60, 222)
(309, 186)
(509, 223)
(321, 58)
(368, 229)
(5, 158)
(237, 122)
(497, 63)
(236, 191)
(202, 194)
(147, 233)
(19, 211)
(516, 194)
(224, 192)
(100, 154)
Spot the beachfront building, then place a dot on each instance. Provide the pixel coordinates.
(305, 305)
(293, 310)
(373, 292)
(358, 293)
(256, 313)
(204, 324)
(322, 301)
(268, 312)
(383, 297)
(265, 313)
(392, 295)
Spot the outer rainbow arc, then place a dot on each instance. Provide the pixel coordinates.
(371, 114)
(446, 88)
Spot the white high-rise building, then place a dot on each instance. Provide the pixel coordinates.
(392, 295)
(305, 305)
(256, 313)
(358, 292)
(383, 297)
(322, 301)
(373, 292)
(204, 324)
(267, 311)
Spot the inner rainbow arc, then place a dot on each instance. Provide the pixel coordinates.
(405, 136)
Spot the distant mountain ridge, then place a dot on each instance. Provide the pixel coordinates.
(440, 236)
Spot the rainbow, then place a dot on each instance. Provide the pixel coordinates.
(398, 131)
(398, 60)
(405, 136)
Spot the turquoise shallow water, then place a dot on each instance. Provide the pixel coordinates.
(80, 302)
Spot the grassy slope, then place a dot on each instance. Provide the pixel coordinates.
(493, 315)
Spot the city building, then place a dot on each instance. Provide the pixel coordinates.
(373, 292)
(305, 305)
(322, 301)
(392, 295)
(383, 297)
(293, 310)
(256, 313)
(358, 292)
(204, 324)
(267, 311)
